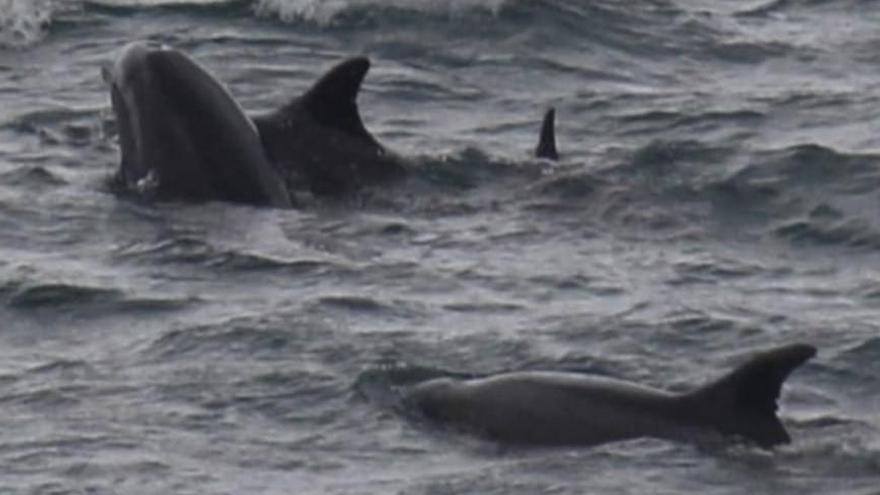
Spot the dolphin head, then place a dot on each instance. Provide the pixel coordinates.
(439, 399)
(182, 135)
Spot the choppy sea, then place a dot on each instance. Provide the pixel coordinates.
(718, 194)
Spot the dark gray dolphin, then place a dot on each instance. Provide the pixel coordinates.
(319, 138)
(555, 408)
(183, 136)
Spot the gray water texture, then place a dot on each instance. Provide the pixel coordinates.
(717, 196)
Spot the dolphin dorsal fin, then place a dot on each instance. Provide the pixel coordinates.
(744, 401)
(332, 100)
(547, 142)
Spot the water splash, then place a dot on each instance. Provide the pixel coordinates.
(327, 12)
(24, 22)
(158, 3)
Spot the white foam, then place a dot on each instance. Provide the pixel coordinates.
(325, 12)
(155, 3)
(24, 22)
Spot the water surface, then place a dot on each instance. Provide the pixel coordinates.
(717, 195)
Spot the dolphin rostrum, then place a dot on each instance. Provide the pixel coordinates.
(561, 408)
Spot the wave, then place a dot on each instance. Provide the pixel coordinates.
(242, 336)
(157, 3)
(27, 22)
(332, 12)
(805, 194)
(235, 7)
(193, 250)
(65, 296)
(37, 178)
(250, 336)
(776, 7)
(656, 26)
(59, 294)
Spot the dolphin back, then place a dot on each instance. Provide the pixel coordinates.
(743, 402)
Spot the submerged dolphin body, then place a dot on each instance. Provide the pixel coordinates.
(554, 408)
(183, 136)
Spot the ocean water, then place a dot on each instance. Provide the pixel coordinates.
(718, 194)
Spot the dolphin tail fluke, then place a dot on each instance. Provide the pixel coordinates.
(744, 401)
(547, 142)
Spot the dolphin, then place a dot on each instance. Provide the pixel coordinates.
(562, 408)
(182, 135)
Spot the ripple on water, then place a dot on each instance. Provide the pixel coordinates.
(348, 12)
(192, 250)
(61, 294)
(36, 178)
(63, 297)
(239, 337)
(633, 257)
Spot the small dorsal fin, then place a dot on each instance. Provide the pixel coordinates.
(547, 142)
(332, 100)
